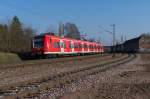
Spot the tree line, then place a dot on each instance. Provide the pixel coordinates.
(15, 37)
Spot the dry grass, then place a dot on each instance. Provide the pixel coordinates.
(9, 58)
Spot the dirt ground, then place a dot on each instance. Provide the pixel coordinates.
(25, 74)
(129, 81)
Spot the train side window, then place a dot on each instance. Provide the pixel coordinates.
(80, 46)
(75, 45)
(64, 44)
(61, 44)
(85, 46)
(56, 45)
(92, 47)
(71, 45)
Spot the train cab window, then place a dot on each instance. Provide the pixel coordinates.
(38, 43)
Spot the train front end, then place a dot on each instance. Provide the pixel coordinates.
(38, 45)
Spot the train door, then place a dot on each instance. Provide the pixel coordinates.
(62, 46)
(88, 46)
(72, 46)
(82, 46)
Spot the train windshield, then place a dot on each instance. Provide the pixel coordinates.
(38, 43)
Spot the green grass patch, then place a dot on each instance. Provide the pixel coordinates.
(9, 57)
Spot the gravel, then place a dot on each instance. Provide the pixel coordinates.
(129, 81)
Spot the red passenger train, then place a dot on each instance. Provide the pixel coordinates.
(49, 44)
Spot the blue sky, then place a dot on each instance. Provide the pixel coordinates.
(132, 17)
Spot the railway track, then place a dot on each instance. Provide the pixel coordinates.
(58, 81)
(48, 61)
(13, 71)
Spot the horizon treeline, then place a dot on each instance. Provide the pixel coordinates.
(15, 37)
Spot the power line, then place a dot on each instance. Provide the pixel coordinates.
(105, 29)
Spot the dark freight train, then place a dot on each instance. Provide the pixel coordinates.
(139, 44)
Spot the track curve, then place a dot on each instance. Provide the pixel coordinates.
(35, 89)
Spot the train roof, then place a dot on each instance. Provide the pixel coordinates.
(52, 35)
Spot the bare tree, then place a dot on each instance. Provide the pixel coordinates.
(14, 37)
(72, 31)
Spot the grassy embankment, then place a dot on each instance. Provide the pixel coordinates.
(8, 58)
